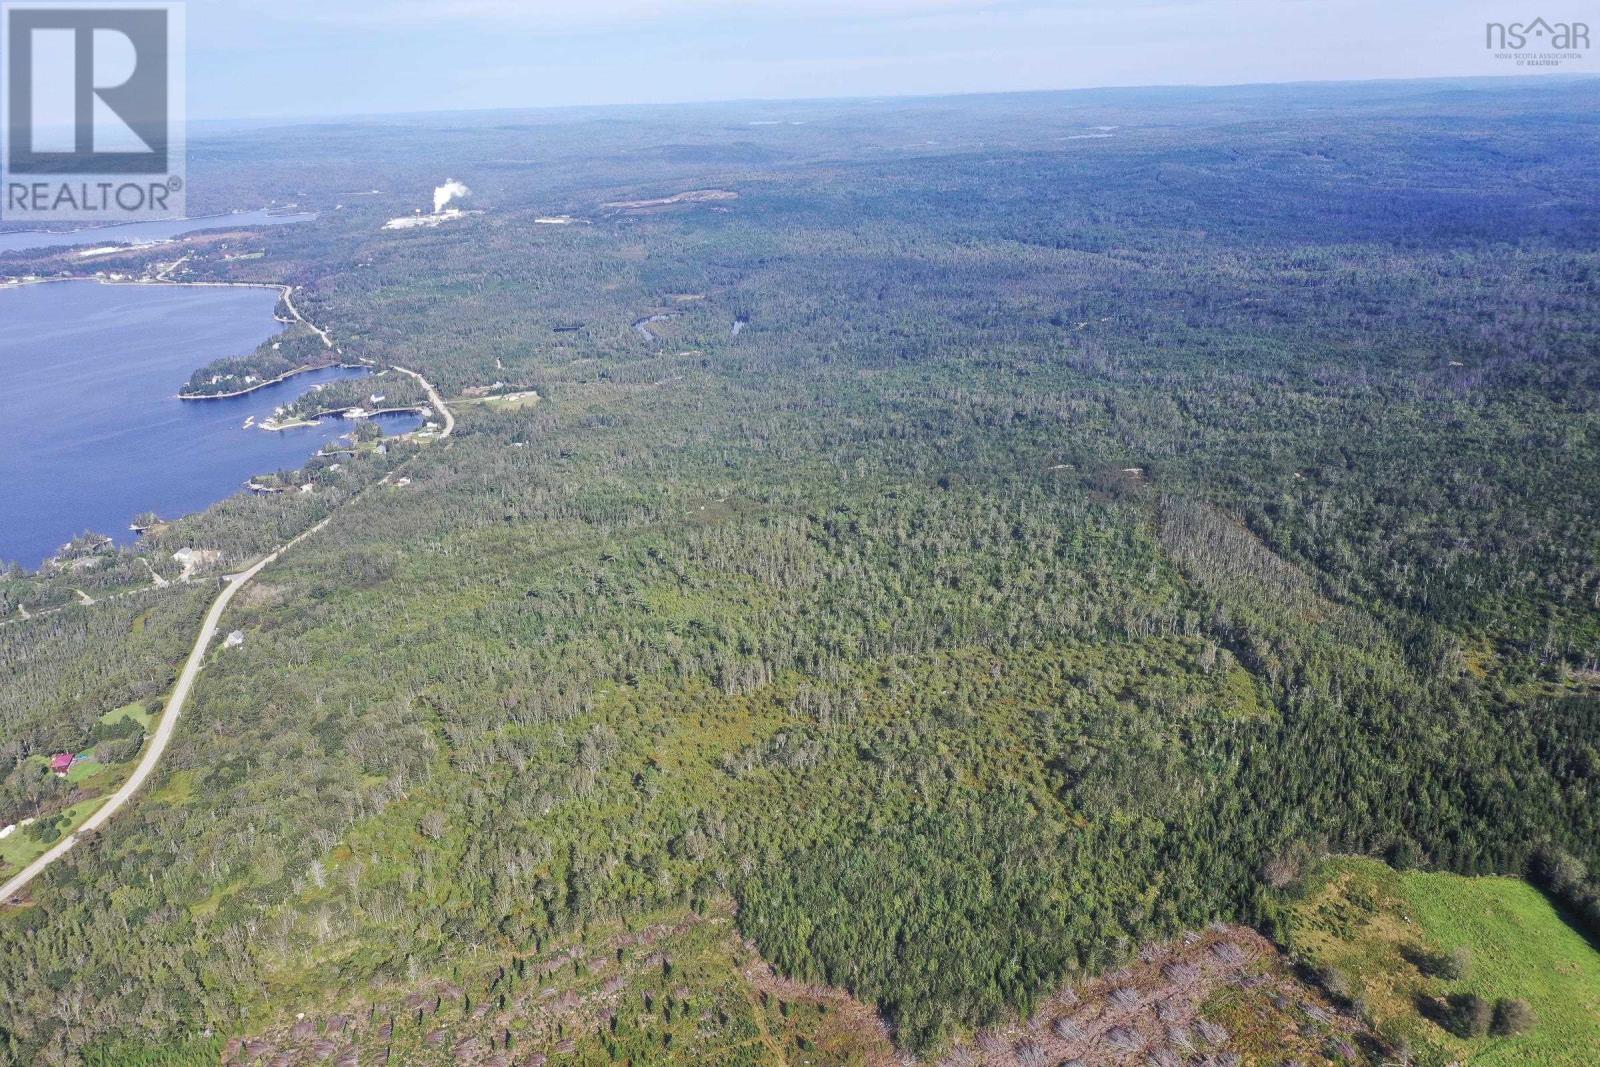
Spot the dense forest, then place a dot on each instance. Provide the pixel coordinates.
(1023, 529)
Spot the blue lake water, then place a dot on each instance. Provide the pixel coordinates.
(94, 434)
(140, 232)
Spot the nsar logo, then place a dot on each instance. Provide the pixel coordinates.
(1538, 43)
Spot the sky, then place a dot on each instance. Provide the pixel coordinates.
(310, 58)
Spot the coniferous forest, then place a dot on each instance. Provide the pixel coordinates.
(1002, 533)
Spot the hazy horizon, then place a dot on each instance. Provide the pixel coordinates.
(1490, 80)
(251, 60)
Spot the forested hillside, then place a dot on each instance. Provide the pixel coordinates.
(1007, 531)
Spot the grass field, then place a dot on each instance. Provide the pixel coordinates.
(18, 850)
(84, 769)
(136, 711)
(1372, 923)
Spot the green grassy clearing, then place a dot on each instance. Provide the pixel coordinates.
(1372, 923)
(83, 770)
(136, 711)
(21, 847)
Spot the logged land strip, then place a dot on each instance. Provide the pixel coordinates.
(180, 692)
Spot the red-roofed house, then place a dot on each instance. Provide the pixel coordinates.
(61, 762)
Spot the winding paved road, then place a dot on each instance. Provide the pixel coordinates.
(180, 692)
(433, 395)
(286, 290)
(164, 728)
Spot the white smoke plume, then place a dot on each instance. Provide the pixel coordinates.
(450, 190)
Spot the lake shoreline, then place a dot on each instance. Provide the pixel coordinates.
(117, 225)
(117, 442)
(419, 410)
(283, 289)
(146, 233)
(305, 369)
